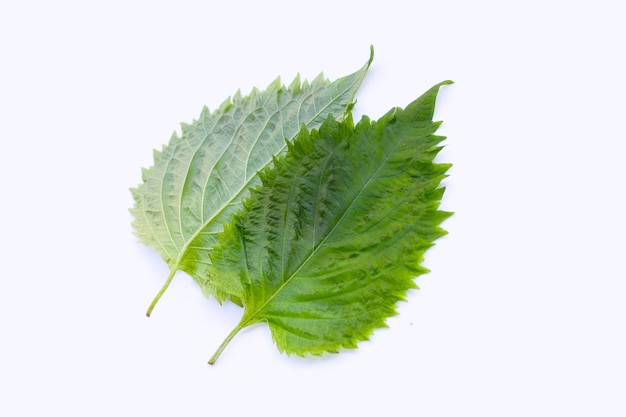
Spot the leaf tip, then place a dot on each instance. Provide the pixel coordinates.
(369, 61)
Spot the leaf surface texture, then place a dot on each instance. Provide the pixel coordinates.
(333, 239)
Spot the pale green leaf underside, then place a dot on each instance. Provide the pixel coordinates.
(325, 249)
(199, 180)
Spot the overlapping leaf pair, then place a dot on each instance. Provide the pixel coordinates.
(279, 203)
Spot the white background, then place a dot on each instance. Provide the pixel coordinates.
(523, 313)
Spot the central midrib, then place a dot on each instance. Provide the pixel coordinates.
(248, 319)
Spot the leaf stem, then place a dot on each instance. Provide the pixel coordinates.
(225, 343)
(160, 293)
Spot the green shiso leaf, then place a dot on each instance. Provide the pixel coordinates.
(333, 239)
(199, 179)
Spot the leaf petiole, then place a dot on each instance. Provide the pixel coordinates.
(225, 343)
(160, 293)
